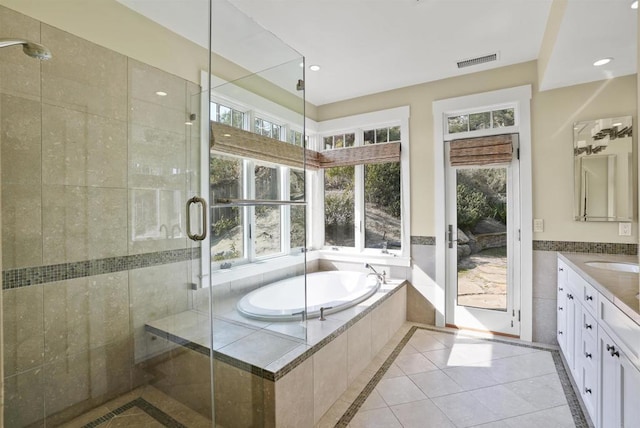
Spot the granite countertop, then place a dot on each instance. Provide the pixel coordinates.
(621, 288)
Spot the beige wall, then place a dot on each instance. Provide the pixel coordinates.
(553, 114)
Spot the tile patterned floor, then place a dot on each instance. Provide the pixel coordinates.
(424, 377)
(437, 378)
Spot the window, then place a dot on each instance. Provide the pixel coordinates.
(227, 231)
(297, 237)
(267, 128)
(339, 141)
(339, 206)
(268, 224)
(295, 138)
(481, 120)
(363, 203)
(227, 115)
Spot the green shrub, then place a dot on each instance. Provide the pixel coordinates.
(472, 206)
(223, 225)
(338, 208)
(382, 186)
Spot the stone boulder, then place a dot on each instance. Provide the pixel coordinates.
(488, 225)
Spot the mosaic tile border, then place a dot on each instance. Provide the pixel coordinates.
(423, 240)
(143, 405)
(587, 247)
(287, 368)
(24, 277)
(572, 399)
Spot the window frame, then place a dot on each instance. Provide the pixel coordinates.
(381, 119)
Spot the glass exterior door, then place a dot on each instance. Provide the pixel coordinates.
(482, 248)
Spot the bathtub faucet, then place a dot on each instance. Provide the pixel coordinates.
(380, 276)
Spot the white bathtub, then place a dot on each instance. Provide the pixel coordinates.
(284, 300)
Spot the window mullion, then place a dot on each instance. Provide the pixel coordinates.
(285, 211)
(250, 217)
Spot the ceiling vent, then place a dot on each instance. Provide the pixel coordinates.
(477, 60)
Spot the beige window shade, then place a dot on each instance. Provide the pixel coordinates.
(229, 140)
(361, 155)
(238, 142)
(497, 149)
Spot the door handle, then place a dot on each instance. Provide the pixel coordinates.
(203, 204)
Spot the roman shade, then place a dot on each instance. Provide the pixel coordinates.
(361, 155)
(230, 140)
(496, 149)
(234, 141)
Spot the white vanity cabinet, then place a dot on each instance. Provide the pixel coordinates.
(601, 346)
(619, 384)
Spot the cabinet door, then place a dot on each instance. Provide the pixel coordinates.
(630, 378)
(562, 318)
(570, 347)
(607, 382)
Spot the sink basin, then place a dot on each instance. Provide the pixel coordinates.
(616, 266)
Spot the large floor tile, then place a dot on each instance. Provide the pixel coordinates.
(502, 401)
(436, 384)
(420, 414)
(399, 390)
(377, 418)
(414, 363)
(465, 410)
(557, 417)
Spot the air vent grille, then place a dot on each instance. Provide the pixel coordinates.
(477, 60)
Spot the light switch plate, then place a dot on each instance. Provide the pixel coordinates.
(538, 225)
(624, 229)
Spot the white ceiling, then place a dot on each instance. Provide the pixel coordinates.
(369, 46)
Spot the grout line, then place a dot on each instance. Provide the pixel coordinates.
(143, 405)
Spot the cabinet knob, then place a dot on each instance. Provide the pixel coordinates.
(559, 332)
(612, 350)
(587, 390)
(560, 288)
(588, 326)
(570, 296)
(588, 298)
(561, 269)
(559, 308)
(587, 355)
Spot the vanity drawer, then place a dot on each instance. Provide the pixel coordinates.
(589, 391)
(589, 326)
(624, 331)
(584, 292)
(563, 269)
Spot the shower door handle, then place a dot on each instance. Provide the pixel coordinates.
(203, 204)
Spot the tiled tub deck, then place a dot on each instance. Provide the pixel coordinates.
(266, 378)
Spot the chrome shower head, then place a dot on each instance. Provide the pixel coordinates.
(34, 50)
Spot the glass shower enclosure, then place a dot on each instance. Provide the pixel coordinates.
(130, 229)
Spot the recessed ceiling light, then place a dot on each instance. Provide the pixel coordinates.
(634, 4)
(314, 67)
(602, 61)
(161, 93)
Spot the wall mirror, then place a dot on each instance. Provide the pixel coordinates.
(603, 169)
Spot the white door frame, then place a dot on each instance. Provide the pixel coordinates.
(520, 97)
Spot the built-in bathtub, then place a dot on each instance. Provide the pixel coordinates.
(332, 291)
(291, 386)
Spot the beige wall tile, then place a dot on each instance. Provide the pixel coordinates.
(19, 74)
(238, 397)
(359, 347)
(20, 135)
(156, 220)
(294, 397)
(85, 313)
(329, 375)
(145, 81)
(545, 274)
(21, 226)
(155, 292)
(78, 382)
(380, 327)
(83, 76)
(81, 149)
(24, 399)
(81, 223)
(23, 328)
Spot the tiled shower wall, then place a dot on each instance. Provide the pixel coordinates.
(95, 169)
